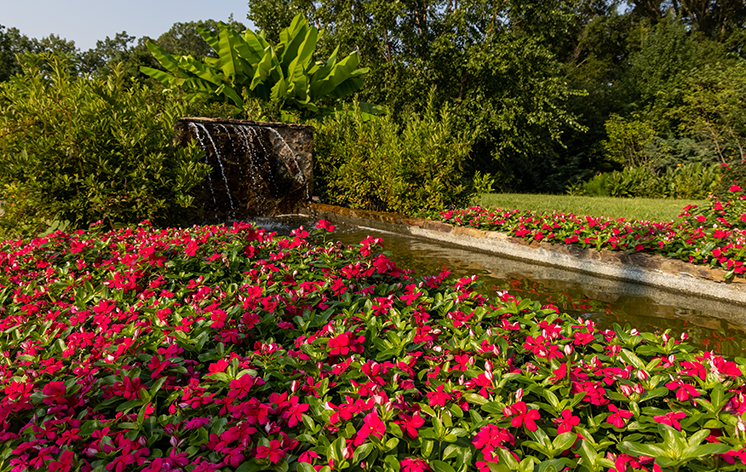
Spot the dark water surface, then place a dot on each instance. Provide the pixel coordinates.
(711, 325)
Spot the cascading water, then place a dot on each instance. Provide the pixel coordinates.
(265, 169)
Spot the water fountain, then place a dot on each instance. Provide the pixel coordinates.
(259, 169)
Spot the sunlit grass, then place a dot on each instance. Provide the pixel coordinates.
(627, 208)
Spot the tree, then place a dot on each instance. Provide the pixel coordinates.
(713, 108)
(494, 61)
(12, 42)
(183, 39)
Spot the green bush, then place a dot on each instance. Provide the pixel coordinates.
(686, 181)
(84, 150)
(375, 165)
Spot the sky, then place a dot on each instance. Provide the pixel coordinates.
(86, 21)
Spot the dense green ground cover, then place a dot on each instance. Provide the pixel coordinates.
(648, 209)
(227, 348)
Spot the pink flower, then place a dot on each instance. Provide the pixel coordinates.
(734, 188)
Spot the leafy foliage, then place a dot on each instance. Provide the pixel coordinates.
(229, 348)
(687, 181)
(376, 165)
(84, 150)
(248, 66)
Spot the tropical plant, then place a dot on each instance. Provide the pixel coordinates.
(247, 66)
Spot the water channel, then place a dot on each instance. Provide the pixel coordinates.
(709, 324)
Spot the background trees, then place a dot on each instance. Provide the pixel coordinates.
(549, 93)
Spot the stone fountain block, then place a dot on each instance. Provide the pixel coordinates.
(259, 169)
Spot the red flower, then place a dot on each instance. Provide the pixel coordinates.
(412, 464)
(734, 188)
(618, 416)
(683, 390)
(438, 397)
(372, 424)
(411, 424)
(323, 224)
(274, 452)
(566, 421)
(523, 417)
(670, 419)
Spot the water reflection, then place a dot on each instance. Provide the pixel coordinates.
(709, 324)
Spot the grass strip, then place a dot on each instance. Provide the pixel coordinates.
(648, 209)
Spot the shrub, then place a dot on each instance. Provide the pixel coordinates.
(374, 164)
(692, 180)
(84, 150)
(216, 348)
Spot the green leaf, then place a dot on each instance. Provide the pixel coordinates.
(339, 73)
(162, 56)
(631, 358)
(440, 466)
(705, 450)
(362, 451)
(637, 449)
(564, 441)
(474, 398)
(263, 69)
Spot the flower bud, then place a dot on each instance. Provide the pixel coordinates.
(489, 375)
(642, 375)
(471, 333)
(684, 336)
(294, 386)
(519, 394)
(436, 331)
(634, 332)
(488, 366)
(437, 349)
(665, 337)
(461, 379)
(626, 390)
(638, 389)
(568, 349)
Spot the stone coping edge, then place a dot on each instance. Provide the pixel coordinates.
(647, 269)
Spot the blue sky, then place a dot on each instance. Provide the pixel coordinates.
(85, 21)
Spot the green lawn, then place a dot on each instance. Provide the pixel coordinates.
(627, 208)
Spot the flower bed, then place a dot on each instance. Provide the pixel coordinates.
(227, 348)
(700, 237)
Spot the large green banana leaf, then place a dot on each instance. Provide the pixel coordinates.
(227, 54)
(167, 60)
(339, 73)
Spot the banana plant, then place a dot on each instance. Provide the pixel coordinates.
(248, 66)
